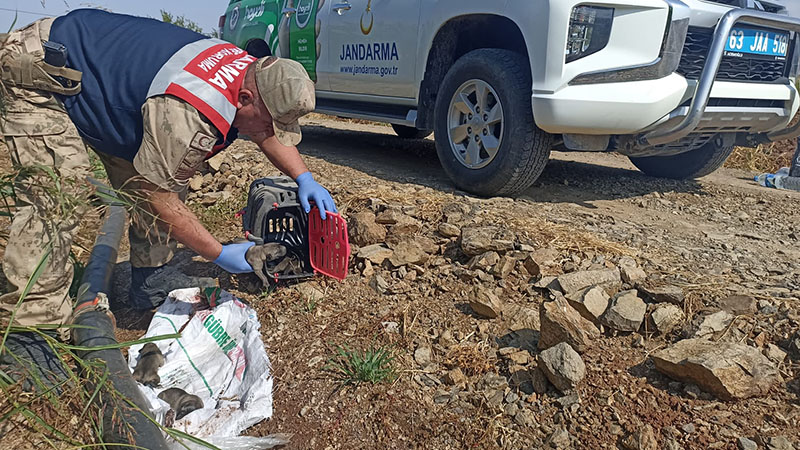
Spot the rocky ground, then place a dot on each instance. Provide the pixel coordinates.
(601, 309)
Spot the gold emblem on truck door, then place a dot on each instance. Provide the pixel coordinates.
(367, 15)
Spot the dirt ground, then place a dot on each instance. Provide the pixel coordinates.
(715, 237)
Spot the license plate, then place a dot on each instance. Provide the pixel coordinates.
(764, 43)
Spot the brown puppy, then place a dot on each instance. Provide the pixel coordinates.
(180, 401)
(150, 359)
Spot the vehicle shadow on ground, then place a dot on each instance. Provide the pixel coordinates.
(391, 158)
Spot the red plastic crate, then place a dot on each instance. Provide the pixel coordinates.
(328, 244)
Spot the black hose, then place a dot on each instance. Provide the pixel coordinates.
(122, 424)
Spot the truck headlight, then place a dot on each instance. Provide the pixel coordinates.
(589, 31)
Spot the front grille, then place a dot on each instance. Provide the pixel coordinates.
(695, 52)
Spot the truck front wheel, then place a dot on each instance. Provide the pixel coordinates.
(486, 138)
(692, 164)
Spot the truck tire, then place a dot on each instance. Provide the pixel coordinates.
(497, 150)
(693, 164)
(410, 132)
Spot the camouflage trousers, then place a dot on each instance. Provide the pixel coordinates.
(51, 163)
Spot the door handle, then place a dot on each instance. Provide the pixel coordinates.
(340, 8)
(289, 11)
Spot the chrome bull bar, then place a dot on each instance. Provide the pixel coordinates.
(709, 74)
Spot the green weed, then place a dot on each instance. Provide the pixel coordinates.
(97, 167)
(352, 367)
(78, 268)
(310, 305)
(267, 292)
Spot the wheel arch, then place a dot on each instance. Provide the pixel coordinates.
(454, 39)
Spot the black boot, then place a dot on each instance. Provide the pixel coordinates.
(151, 285)
(28, 357)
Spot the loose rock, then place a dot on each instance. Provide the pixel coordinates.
(562, 366)
(666, 317)
(363, 229)
(775, 353)
(672, 444)
(534, 268)
(626, 312)
(591, 303)
(215, 162)
(729, 371)
(423, 356)
(449, 230)
(196, 183)
(522, 318)
(405, 226)
(746, 444)
(484, 261)
(641, 439)
(504, 268)
(309, 292)
(455, 212)
(738, 304)
(545, 256)
(525, 418)
(455, 377)
(660, 294)
(475, 241)
(376, 253)
(485, 303)
(390, 216)
(408, 251)
(539, 381)
(379, 284)
(559, 439)
(561, 323)
(713, 323)
(779, 443)
(630, 270)
(574, 282)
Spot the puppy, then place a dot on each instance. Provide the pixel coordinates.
(259, 255)
(150, 359)
(180, 401)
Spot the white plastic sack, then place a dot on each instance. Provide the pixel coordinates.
(220, 358)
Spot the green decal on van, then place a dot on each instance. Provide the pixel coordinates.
(298, 34)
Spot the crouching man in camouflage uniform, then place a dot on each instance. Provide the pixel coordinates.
(154, 101)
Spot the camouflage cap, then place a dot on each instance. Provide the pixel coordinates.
(288, 93)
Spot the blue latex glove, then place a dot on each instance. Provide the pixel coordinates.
(309, 190)
(232, 258)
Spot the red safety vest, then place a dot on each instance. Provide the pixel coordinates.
(208, 74)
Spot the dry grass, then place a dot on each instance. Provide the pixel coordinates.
(764, 158)
(471, 359)
(66, 419)
(24, 430)
(565, 239)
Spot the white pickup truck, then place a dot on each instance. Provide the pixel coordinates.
(672, 84)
